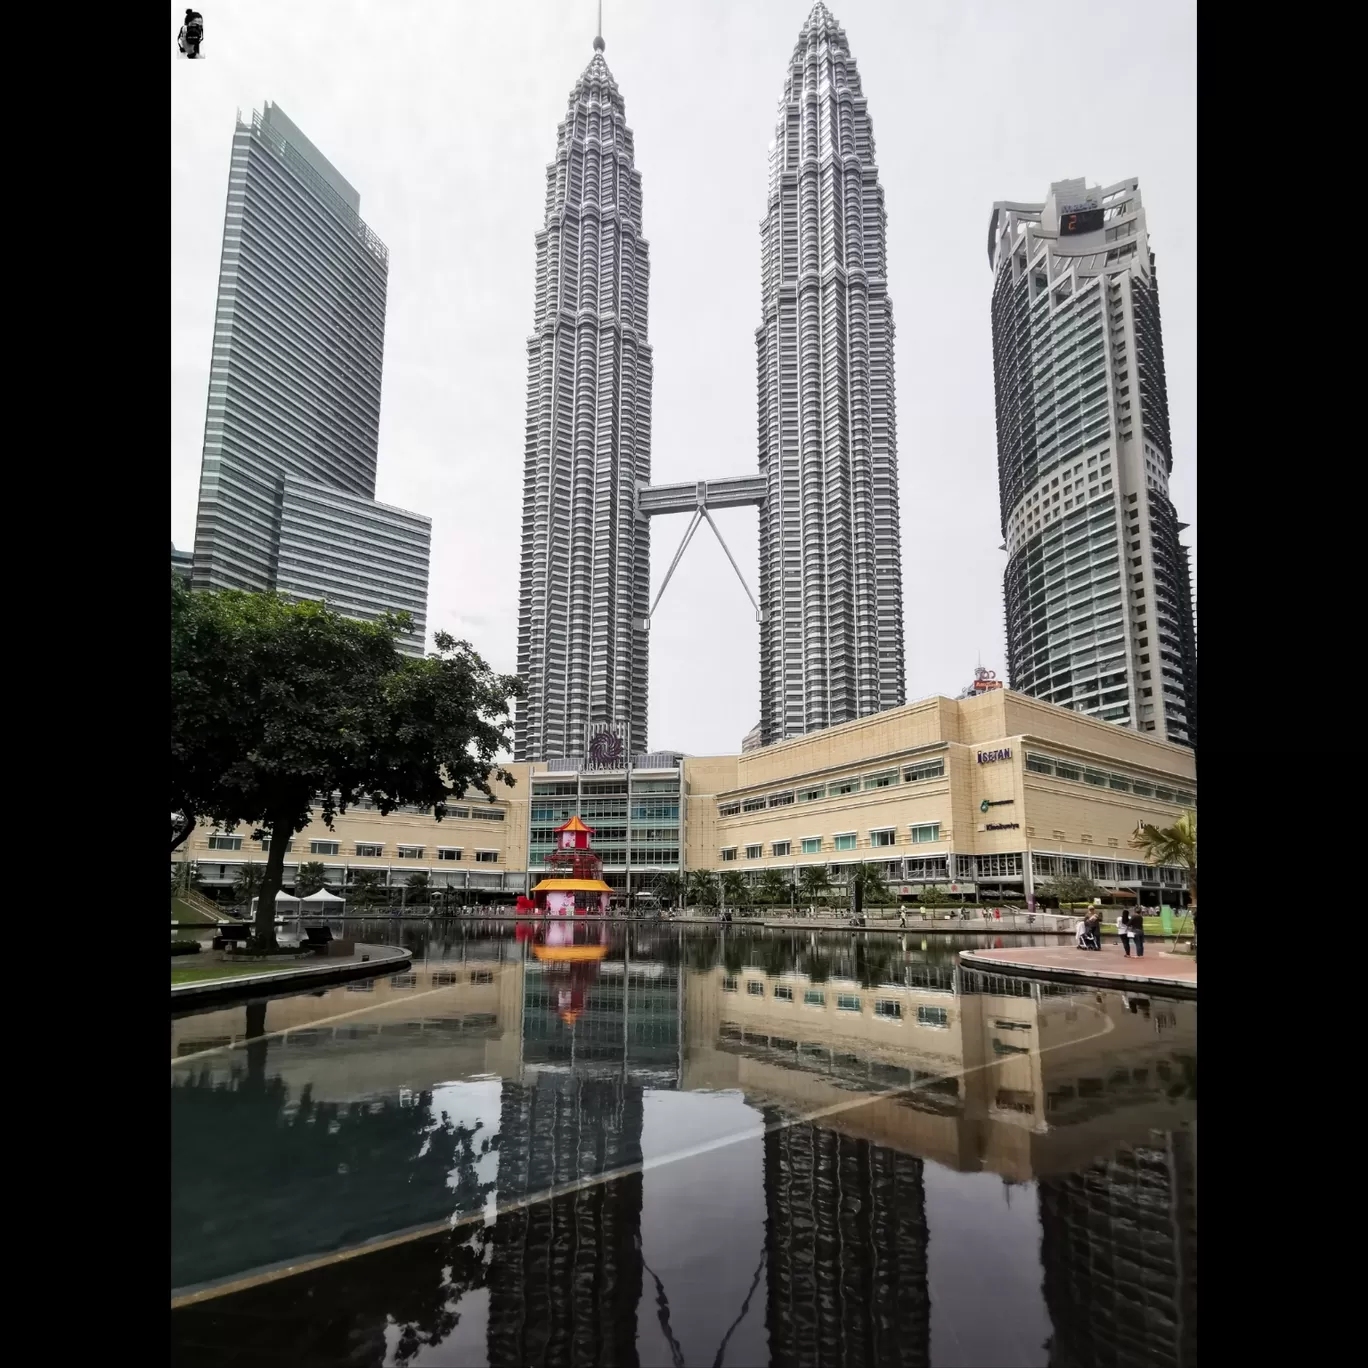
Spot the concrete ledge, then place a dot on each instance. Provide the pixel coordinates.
(382, 959)
(1166, 974)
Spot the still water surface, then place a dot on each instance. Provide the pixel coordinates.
(668, 1146)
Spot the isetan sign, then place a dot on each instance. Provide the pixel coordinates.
(991, 757)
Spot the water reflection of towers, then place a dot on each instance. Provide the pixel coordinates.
(565, 1277)
(846, 1237)
(1119, 1249)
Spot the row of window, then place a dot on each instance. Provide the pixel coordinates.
(1119, 783)
(838, 788)
(891, 1008)
(846, 840)
(363, 849)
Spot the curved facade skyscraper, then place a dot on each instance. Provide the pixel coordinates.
(585, 555)
(831, 642)
(1098, 590)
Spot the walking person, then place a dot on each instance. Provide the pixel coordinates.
(1138, 932)
(1123, 930)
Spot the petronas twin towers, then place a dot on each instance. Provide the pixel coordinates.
(831, 635)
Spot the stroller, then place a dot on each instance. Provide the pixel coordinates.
(192, 33)
(1086, 937)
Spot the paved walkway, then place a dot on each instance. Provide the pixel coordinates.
(1158, 969)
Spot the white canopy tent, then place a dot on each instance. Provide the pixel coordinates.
(321, 897)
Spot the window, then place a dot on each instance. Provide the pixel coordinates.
(266, 844)
(486, 857)
(1038, 764)
(729, 853)
(878, 781)
(1120, 784)
(814, 997)
(882, 838)
(729, 983)
(938, 1017)
(847, 1002)
(812, 795)
(410, 852)
(488, 814)
(753, 852)
(781, 799)
(783, 992)
(448, 853)
(481, 976)
(779, 848)
(1164, 795)
(843, 786)
(728, 809)
(755, 987)
(322, 847)
(369, 850)
(1068, 771)
(753, 805)
(1094, 778)
(887, 1007)
(928, 769)
(812, 845)
(929, 831)
(846, 841)
(225, 843)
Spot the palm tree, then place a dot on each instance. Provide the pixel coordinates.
(735, 889)
(310, 878)
(867, 882)
(670, 887)
(418, 889)
(775, 887)
(814, 881)
(1173, 845)
(247, 883)
(367, 887)
(702, 889)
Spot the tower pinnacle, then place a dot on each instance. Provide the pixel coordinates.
(599, 44)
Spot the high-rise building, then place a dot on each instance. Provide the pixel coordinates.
(582, 647)
(831, 639)
(1098, 589)
(294, 389)
(181, 563)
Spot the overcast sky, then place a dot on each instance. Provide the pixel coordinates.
(443, 116)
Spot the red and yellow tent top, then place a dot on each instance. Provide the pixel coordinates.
(572, 886)
(574, 824)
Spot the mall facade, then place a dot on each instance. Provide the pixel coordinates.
(982, 798)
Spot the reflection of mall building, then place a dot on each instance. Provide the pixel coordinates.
(983, 797)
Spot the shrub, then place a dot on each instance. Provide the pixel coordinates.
(185, 947)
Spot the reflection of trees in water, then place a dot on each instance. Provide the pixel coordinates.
(258, 1180)
(846, 1241)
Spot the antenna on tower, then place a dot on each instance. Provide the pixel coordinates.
(598, 37)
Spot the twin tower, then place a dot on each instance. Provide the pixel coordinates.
(830, 611)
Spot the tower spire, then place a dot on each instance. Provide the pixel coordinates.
(598, 37)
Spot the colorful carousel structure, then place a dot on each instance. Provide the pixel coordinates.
(574, 884)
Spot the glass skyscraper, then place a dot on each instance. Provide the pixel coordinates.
(831, 641)
(293, 421)
(1098, 590)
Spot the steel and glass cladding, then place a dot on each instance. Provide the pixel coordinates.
(831, 642)
(585, 555)
(294, 383)
(362, 558)
(1097, 587)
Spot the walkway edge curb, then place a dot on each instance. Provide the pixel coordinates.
(384, 959)
(1160, 987)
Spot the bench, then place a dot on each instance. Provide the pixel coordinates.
(230, 934)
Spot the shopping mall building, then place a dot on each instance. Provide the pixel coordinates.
(983, 798)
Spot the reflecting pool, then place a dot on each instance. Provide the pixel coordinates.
(663, 1145)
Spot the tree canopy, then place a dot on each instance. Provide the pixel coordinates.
(279, 708)
(1174, 845)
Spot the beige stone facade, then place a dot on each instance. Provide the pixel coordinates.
(982, 797)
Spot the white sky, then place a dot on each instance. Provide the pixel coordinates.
(443, 116)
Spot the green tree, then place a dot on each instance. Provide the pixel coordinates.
(815, 882)
(311, 877)
(932, 897)
(186, 878)
(419, 889)
(669, 888)
(1071, 888)
(702, 888)
(367, 888)
(735, 889)
(867, 884)
(247, 886)
(279, 708)
(775, 888)
(1172, 845)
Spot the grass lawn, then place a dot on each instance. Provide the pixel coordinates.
(187, 914)
(196, 973)
(1154, 926)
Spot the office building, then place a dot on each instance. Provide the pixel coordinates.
(831, 639)
(294, 387)
(181, 563)
(585, 554)
(1097, 587)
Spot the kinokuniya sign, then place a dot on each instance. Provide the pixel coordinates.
(992, 756)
